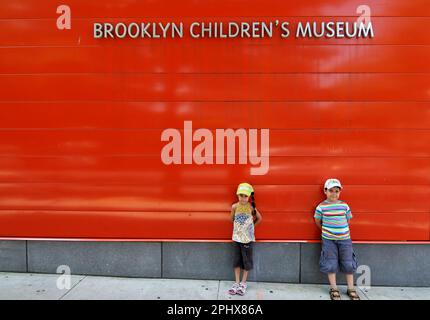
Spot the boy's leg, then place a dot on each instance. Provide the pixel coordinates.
(332, 280)
(348, 261)
(329, 260)
(351, 292)
(334, 292)
(350, 280)
(348, 265)
(332, 275)
(329, 265)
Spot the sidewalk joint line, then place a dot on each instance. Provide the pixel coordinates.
(68, 291)
(300, 262)
(26, 255)
(161, 251)
(364, 293)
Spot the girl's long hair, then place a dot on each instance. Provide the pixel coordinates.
(253, 203)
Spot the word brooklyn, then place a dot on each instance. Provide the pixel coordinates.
(210, 148)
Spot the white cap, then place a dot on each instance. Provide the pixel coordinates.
(331, 183)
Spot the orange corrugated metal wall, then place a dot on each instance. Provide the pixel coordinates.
(81, 120)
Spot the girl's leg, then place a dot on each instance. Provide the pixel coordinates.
(350, 280)
(235, 286)
(237, 274)
(242, 286)
(244, 276)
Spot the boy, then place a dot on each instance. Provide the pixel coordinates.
(331, 217)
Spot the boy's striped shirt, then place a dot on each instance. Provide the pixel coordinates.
(335, 218)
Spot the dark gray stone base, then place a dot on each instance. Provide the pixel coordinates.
(13, 256)
(278, 262)
(130, 259)
(390, 265)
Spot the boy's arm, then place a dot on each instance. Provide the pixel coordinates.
(258, 217)
(318, 223)
(318, 217)
(348, 214)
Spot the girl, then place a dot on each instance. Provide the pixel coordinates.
(244, 216)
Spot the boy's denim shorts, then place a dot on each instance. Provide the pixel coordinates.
(337, 255)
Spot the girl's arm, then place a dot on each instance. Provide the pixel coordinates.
(258, 217)
(233, 208)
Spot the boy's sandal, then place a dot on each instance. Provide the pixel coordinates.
(234, 288)
(334, 294)
(352, 294)
(242, 289)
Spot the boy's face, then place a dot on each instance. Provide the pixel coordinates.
(332, 194)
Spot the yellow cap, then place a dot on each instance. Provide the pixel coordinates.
(244, 188)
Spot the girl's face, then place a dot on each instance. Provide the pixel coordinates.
(333, 194)
(243, 198)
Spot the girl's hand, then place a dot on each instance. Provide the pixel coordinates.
(258, 217)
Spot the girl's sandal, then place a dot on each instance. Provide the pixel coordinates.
(234, 288)
(242, 289)
(334, 294)
(352, 294)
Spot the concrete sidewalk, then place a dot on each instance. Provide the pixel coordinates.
(16, 286)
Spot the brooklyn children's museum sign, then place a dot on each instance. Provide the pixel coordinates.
(231, 30)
